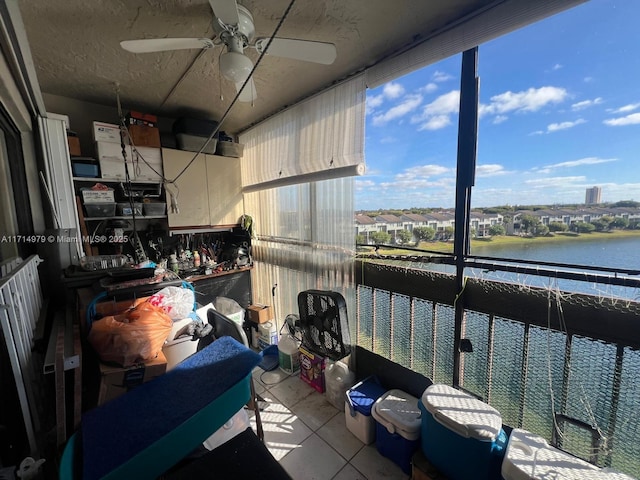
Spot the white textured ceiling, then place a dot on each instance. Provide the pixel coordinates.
(76, 50)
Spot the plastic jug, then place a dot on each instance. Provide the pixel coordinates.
(268, 335)
(288, 354)
(338, 379)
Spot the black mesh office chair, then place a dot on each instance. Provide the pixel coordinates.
(223, 326)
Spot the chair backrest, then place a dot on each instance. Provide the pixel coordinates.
(223, 326)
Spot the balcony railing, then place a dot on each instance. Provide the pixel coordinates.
(563, 365)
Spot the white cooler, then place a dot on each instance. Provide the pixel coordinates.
(530, 457)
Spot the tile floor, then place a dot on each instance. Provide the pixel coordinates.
(308, 435)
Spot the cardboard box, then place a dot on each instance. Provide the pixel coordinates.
(422, 469)
(115, 381)
(139, 118)
(312, 369)
(74, 146)
(146, 169)
(111, 162)
(144, 136)
(260, 313)
(106, 132)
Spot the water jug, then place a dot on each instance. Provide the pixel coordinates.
(288, 354)
(268, 334)
(338, 379)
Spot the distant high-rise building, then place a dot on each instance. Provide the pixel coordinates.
(592, 196)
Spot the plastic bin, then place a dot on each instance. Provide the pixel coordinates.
(193, 143)
(97, 196)
(177, 350)
(357, 408)
(100, 209)
(154, 208)
(397, 427)
(338, 379)
(194, 126)
(456, 424)
(124, 208)
(230, 149)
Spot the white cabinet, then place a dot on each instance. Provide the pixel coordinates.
(209, 191)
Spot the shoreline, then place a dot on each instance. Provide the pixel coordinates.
(512, 240)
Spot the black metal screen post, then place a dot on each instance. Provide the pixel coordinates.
(465, 178)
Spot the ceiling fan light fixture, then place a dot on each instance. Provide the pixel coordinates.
(235, 66)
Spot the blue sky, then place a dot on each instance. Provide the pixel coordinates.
(559, 112)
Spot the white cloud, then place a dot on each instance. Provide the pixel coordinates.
(429, 88)
(554, 181)
(439, 76)
(537, 132)
(392, 90)
(586, 103)
(530, 100)
(557, 66)
(626, 108)
(574, 163)
(408, 104)
(437, 114)
(499, 119)
(554, 127)
(425, 171)
(421, 177)
(587, 79)
(631, 119)
(490, 170)
(362, 184)
(388, 140)
(375, 101)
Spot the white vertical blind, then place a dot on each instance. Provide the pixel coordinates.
(501, 18)
(304, 240)
(321, 135)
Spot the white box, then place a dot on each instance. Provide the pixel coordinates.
(106, 132)
(97, 196)
(153, 158)
(111, 161)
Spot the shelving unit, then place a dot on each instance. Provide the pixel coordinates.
(128, 217)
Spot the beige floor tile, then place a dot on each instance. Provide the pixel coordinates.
(291, 391)
(348, 472)
(314, 410)
(376, 467)
(336, 434)
(313, 460)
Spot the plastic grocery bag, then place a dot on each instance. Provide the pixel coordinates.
(177, 302)
(132, 337)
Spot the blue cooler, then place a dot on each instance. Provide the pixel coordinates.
(398, 427)
(457, 426)
(357, 408)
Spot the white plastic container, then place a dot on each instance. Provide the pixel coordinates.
(177, 350)
(288, 354)
(398, 427)
(235, 426)
(268, 334)
(530, 457)
(338, 379)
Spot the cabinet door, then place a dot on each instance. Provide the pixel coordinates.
(225, 190)
(191, 187)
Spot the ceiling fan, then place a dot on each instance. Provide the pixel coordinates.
(234, 27)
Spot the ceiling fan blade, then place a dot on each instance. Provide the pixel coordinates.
(163, 44)
(226, 11)
(307, 50)
(249, 94)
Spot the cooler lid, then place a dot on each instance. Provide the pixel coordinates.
(399, 413)
(529, 457)
(461, 413)
(363, 395)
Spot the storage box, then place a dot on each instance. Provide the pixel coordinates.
(193, 143)
(74, 146)
(154, 208)
(106, 132)
(312, 369)
(85, 167)
(139, 118)
(115, 381)
(147, 164)
(124, 208)
(111, 161)
(144, 136)
(100, 209)
(398, 425)
(230, 149)
(260, 313)
(357, 408)
(97, 196)
(454, 422)
(194, 126)
(530, 457)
